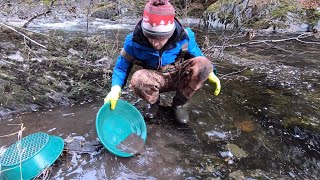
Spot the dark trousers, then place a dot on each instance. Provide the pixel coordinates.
(184, 77)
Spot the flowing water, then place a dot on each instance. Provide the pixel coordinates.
(245, 132)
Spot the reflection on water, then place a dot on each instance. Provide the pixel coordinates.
(76, 124)
(199, 150)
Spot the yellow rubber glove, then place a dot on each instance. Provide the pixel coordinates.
(214, 80)
(113, 96)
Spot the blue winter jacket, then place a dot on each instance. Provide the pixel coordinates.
(138, 47)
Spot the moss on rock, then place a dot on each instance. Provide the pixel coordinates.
(260, 15)
(304, 122)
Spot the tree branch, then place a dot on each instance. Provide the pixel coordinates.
(38, 15)
(2, 3)
(234, 72)
(17, 27)
(270, 41)
(35, 42)
(276, 47)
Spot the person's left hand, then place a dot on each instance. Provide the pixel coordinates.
(214, 80)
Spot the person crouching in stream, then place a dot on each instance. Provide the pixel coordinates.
(171, 61)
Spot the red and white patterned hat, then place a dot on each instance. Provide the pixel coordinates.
(158, 19)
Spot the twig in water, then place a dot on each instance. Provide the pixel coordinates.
(271, 41)
(45, 174)
(276, 47)
(29, 30)
(225, 75)
(12, 133)
(19, 132)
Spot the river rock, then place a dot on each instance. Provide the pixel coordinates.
(81, 146)
(105, 62)
(105, 12)
(6, 45)
(236, 175)
(236, 151)
(256, 14)
(16, 57)
(4, 112)
(59, 98)
(73, 52)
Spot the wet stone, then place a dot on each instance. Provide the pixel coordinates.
(82, 146)
(237, 151)
(246, 126)
(236, 175)
(133, 144)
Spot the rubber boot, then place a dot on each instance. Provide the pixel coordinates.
(151, 110)
(180, 113)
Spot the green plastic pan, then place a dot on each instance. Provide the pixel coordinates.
(27, 158)
(114, 126)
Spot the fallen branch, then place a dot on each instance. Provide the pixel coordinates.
(8, 135)
(42, 34)
(225, 75)
(35, 42)
(2, 3)
(276, 47)
(269, 41)
(19, 132)
(38, 15)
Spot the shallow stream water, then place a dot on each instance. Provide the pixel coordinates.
(238, 134)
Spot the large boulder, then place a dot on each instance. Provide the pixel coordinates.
(262, 14)
(111, 9)
(105, 11)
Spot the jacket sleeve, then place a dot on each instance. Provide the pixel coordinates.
(122, 67)
(193, 48)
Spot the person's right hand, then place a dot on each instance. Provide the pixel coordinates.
(113, 96)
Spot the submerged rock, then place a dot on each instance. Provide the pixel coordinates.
(246, 126)
(81, 146)
(236, 151)
(236, 175)
(16, 57)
